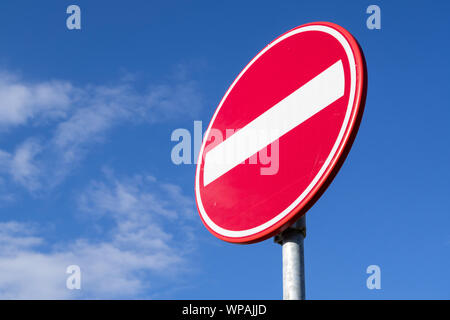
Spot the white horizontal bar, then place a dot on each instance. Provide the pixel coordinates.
(287, 114)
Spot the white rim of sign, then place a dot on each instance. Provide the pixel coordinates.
(252, 231)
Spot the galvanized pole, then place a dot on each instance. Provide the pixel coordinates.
(291, 241)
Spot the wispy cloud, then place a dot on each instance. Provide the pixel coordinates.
(138, 249)
(76, 118)
(21, 166)
(131, 245)
(22, 101)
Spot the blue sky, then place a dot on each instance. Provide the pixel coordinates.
(86, 176)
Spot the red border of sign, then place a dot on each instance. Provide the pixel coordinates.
(339, 157)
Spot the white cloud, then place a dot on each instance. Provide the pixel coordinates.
(135, 252)
(180, 99)
(122, 197)
(30, 275)
(76, 118)
(14, 236)
(101, 109)
(129, 256)
(21, 166)
(21, 101)
(105, 107)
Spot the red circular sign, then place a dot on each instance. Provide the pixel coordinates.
(280, 133)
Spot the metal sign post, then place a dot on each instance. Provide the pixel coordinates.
(304, 92)
(291, 241)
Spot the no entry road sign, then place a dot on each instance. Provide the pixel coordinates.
(300, 101)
